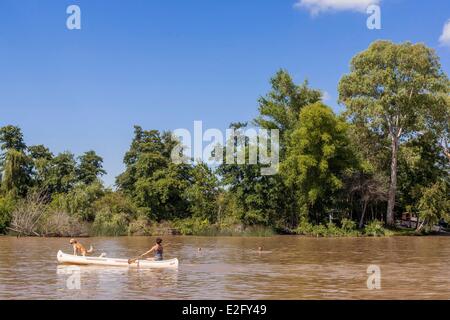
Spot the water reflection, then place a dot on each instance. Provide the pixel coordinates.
(107, 282)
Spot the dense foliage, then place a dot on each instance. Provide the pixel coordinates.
(350, 174)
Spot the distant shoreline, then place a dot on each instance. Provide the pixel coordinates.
(397, 234)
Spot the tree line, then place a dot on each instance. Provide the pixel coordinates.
(339, 174)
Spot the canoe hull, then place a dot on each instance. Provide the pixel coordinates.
(64, 258)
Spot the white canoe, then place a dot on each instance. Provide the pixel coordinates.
(103, 261)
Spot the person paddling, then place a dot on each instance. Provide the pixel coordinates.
(157, 249)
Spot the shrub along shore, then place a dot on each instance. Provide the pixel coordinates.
(349, 174)
(33, 217)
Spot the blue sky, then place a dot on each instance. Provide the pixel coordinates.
(163, 64)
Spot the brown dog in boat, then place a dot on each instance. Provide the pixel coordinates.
(78, 247)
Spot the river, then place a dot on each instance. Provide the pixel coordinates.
(232, 268)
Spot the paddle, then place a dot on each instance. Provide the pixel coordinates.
(131, 261)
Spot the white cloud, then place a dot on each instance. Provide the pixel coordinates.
(444, 40)
(317, 6)
(326, 96)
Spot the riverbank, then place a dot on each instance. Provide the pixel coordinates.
(34, 217)
(184, 228)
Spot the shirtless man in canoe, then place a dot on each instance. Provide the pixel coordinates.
(79, 248)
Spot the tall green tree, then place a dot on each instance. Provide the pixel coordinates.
(11, 137)
(280, 108)
(42, 159)
(148, 152)
(203, 192)
(90, 167)
(391, 89)
(421, 164)
(15, 166)
(40, 152)
(434, 205)
(259, 199)
(62, 174)
(442, 129)
(318, 156)
(16, 173)
(152, 179)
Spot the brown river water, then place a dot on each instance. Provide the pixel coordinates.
(232, 268)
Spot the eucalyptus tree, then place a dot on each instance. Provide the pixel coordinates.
(394, 90)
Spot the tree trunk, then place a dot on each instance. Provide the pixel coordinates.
(421, 225)
(393, 184)
(361, 222)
